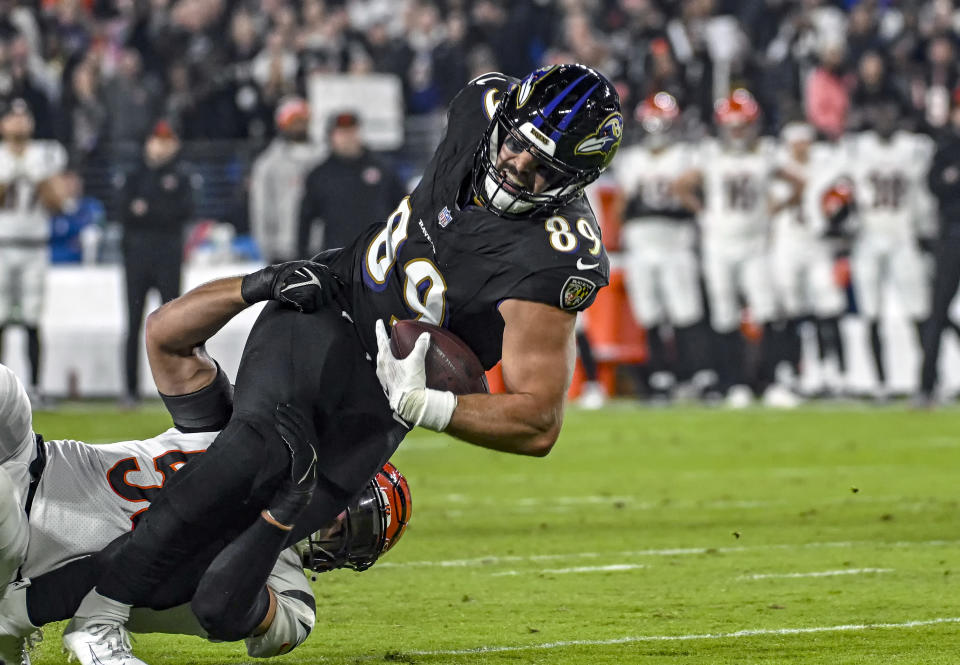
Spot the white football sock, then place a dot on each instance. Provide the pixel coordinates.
(96, 608)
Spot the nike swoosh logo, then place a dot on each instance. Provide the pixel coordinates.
(312, 281)
(311, 468)
(94, 659)
(586, 266)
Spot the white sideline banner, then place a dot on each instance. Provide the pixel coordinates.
(83, 330)
(377, 99)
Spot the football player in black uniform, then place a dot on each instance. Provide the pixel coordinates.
(272, 605)
(496, 243)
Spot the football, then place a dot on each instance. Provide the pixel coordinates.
(450, 363)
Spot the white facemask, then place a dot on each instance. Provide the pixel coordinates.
(503, 200)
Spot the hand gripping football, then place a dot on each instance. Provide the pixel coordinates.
(450, 363)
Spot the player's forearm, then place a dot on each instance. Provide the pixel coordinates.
(186, 322)
(513, 423)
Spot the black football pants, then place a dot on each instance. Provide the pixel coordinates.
(148, 262)
(313, 361)
(945, 285)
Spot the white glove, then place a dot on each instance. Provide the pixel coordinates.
(405, 383)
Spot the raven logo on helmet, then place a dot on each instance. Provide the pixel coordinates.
(606, 138)
(526, 86)
(568, 118)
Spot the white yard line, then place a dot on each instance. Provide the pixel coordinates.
(821, 573)
(681, 638)
(674, 551)
(612, 568)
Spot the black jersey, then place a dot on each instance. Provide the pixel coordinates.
(445, 260)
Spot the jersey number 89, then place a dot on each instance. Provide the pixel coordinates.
(424, 290)
(564, 240)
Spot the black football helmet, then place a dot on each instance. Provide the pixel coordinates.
(568, 117)
(370, 526)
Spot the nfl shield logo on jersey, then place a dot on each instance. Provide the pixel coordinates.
(444, 217)
(576, 291)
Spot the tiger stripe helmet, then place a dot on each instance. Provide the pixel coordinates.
(657, 113)
(399, 506)
(370, 526)
(739, 108)
(837, 204)
(737, 117)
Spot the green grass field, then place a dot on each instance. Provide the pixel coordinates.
(647, 536)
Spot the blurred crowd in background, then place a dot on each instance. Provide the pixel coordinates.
(101, 71)
(228, 83)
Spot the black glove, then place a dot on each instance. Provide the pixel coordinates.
(297, 431)
(301, 285)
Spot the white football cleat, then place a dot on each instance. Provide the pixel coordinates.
(739, 397)
(99, 643)
(592, 396)
(780, 397)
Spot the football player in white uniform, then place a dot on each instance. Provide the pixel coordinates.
(29, 191)
(63, 503)
(888, 169)
(735, 175)
(804, 258)
(659, 237)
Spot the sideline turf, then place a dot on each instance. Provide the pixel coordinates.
(731, 495)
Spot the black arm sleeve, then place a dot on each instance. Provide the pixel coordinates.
(205, 410)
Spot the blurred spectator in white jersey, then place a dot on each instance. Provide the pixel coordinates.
(30, 189)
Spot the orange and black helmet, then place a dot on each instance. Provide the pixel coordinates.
(739, 108)
(657, 113)
(370, 526)
(837, 203)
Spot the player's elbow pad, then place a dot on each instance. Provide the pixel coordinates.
(291, 625)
